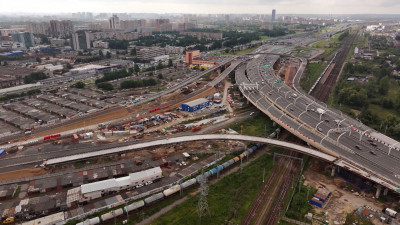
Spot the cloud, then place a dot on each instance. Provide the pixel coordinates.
(206, 6)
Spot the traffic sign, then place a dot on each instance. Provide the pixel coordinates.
(267, 66)
(278, 81)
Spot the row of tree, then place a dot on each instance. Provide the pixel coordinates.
(114, 75)
(23, 94)
(34, 77)
(138, 83)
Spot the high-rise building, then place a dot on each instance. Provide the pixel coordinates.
(25, 38)
(273, 15)
(114, 22)
(80, 40)
(39, 28)
(61, 28)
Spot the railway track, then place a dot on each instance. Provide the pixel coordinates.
(326, 89)
(273, 215)
(265, 209)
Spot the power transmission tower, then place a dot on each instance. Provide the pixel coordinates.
(202, 206)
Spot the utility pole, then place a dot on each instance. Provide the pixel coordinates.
(202, 206)
(264, 175)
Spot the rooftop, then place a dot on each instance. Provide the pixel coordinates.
(196, 102)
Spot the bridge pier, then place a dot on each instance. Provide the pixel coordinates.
(333, 171)
(385, 191)
(378, 191)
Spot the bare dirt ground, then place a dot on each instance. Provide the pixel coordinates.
(123, 112)
(343, 201)
(22, 173)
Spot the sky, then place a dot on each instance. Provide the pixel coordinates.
(203, 6)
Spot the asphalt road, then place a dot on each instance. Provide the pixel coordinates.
(319, 129)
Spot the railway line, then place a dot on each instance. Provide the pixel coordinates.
(266, 207)
(286, 182)
(330, 82)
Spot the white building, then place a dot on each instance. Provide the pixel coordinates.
(97, 189)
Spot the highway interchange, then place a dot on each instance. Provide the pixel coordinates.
(297, 113)
(331, 131)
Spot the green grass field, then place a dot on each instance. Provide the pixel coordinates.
(313, 71)
(258, 125)
(299, 205)
(228, 200)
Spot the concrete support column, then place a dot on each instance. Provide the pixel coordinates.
(333, 171)
(378, 191)
(385, 191)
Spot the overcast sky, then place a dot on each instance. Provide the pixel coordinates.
(204, 6)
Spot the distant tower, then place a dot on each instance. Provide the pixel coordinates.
(114, 22)
(273, 15)
(202, 206)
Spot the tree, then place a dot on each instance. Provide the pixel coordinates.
(39, 60)
(170, 64)
(136, 68)
(101, 53)
(384, 85)
(80, 53)
(108, 55)
(69, 66)
(79, 85)
(160, 65)
(130, 70)
(105, 86)
(133, 52)
(160, 76)
(34, 77)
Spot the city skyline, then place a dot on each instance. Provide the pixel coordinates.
(206, 6)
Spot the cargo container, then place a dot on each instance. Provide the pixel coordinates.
(166, 106)
(228, 163)
(153, 198)
(93, 221)
(46, 137)
(188, 183)
(2, 152)
(195, 128)
(213, 171)
(118, 212)
(134, 206)
(316, 202)
(236, 159)
(107, 216)
(55, 135)
(219, 168)
(171, 190)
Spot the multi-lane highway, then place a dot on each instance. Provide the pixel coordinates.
(312, 121)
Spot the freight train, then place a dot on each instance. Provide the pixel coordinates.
(168, 192)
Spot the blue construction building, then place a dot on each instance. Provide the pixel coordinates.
(195, 105)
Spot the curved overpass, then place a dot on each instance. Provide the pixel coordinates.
(296, 111)
(294, 147)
